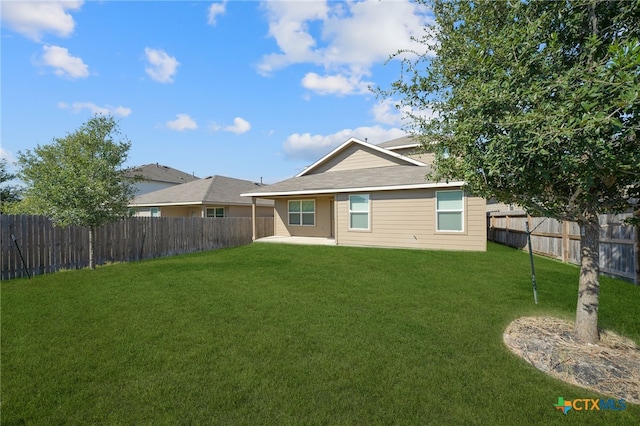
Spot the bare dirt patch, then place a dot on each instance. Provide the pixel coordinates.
(611, 367)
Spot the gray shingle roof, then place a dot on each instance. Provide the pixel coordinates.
(378, 177)
(210, 190)
(159, 173)
(403, 141)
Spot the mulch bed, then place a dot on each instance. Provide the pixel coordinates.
(611, 367)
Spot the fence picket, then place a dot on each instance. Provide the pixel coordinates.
(47, 248)
(619, 244)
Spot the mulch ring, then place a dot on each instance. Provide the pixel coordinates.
(611, 367)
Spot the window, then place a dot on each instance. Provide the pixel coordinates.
(359, 211)
(155, 212)
(302, 212)
(215, 212)
(449, 211)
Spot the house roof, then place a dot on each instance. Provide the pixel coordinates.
(383, 151)
(372, 179)
(400, 143)
(159, 173)
(210, 190)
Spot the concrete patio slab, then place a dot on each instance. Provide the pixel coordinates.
(317, 241)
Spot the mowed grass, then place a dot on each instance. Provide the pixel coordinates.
(283, 334)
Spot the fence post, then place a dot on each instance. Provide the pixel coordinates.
(636, 248)
(565, 241)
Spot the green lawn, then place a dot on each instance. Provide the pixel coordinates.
(282, 334)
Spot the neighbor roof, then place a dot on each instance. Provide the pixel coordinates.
(159, 173)
(372, 179)
(210, 190)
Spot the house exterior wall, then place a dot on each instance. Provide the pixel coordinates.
(426, 157)
(357, 157)
(200, 211)
(245, 211)
(408, 219)
(403, 219)
(417, 154)
(323, 219)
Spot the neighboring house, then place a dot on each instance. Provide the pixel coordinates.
(213, 196)
(496, 206)
(377, 195)
(156, 176)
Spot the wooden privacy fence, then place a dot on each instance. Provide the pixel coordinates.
(619, 245)
(33, 244)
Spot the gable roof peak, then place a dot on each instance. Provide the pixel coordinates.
(366, 144)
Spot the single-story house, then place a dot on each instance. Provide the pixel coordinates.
(213, 196)
(154, 177)
(363, 194)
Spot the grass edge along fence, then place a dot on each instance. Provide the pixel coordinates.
(32, 245)
(619, 243)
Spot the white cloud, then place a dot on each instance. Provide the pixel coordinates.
(63, 63)
(334, 84)
(8, 155)
(289, 26)
(390, 111)
(162, 67)
(239, 126)
(386, 112)
(312, 147)
(214, 127)
(349, 38)
(34, 18)
(215, 10)
(182, 122)
(76, 107)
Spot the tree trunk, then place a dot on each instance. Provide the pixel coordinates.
(92, 251)
(589, 288)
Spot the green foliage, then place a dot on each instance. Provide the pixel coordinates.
(79, 179)
(537, 102)
(9, 194)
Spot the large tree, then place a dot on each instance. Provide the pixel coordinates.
(534, 103)
(79, 179)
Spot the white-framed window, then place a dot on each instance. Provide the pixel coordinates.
(359, 211)
(450, 211)
(154, 212)
(302, 212)
(215, 211)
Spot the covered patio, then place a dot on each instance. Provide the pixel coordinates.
(317, 241)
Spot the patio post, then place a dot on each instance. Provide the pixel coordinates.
(253, 218)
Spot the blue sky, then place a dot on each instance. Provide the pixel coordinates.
(246, 89)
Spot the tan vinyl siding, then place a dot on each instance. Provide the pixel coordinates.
(408, 219)
(416, 154)
(245, 211)
(426, 158)
(201, 211)
(323, 223)
(262, 211)
(357, 157)
(179, 211)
